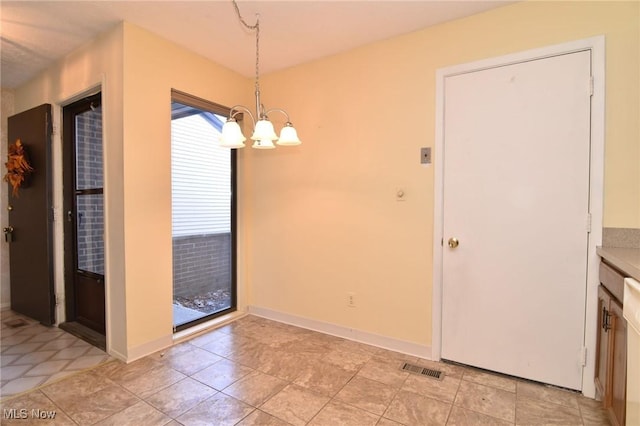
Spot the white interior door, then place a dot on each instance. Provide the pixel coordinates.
(516, 197)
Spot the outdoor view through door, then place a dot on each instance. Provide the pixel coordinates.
(203, 214)
(84, 219)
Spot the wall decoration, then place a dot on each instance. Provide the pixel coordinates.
(18, 167)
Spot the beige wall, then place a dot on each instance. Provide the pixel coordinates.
(325, 219)
(152, 67)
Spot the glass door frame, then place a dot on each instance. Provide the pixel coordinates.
(204, 105)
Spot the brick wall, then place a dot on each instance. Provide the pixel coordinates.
(201, 263)
(90, 208)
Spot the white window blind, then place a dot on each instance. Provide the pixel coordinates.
(200, 178)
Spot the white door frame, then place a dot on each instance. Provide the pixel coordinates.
(596, 172)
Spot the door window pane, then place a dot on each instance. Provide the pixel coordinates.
(90, 233)
(89, 149)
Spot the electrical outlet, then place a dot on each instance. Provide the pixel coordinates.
(351, 300)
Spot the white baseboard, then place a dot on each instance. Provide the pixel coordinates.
(5, 306)
(390, 343)
(145, 349)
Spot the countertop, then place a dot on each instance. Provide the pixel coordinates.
(626, 260)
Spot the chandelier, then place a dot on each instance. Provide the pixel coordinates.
(263, 132)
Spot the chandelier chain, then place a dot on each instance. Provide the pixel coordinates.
(255, 27)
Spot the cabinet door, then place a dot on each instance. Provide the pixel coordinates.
(603, 347)
(618, 364)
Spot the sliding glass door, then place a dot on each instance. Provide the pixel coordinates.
(203, 213)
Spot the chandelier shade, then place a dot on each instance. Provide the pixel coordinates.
(263, 132)
(232, 136)
(288, 136)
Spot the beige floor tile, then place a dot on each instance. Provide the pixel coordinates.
(592, 412)
(140, 414)
(266, 394)
(219, 410)
(538, 412)
(190, 360)
(359, 348)
(260, 418)
(462, 417)
(547, 393)
(35, 400)
(367, 394)
(282, 364)
(121, 372)
(207, 337)
(222, 374)
(180, 397)
(226, 345)
(409, 408)
(488, 379)
(76, 386)
(445, 390)
(98, 405)
(337, 413)
(323, 378)
(152, 381)
(384, 371)
(387, 422)
(486, 400)
(295, 405)
(255, 388)
(250, 353)
(348, 360)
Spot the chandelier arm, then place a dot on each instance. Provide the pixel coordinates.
(241, 108)
(278, 110)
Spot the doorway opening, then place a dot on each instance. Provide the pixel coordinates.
(203, 189)
(84, 220)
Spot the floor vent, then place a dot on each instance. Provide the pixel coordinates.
(15, 323)
(423, 371)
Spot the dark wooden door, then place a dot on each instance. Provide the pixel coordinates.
(84, 207)
(31, 219)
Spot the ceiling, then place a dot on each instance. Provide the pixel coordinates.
(35, 34)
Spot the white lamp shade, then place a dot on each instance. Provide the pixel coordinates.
(288, 136)
(232, 136)
(264, 130)
(263, 144)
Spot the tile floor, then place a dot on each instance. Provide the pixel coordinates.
(33, 355)
(259, 372)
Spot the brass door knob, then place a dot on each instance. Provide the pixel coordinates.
(453, 242)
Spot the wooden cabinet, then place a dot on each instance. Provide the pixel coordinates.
(611, 353)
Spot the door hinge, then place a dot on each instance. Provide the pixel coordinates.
(583, 356)
(590, 85)
(588, 222)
